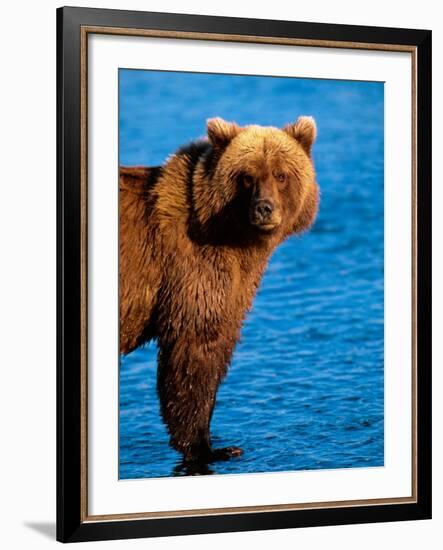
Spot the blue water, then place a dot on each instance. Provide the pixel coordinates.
(305, 388)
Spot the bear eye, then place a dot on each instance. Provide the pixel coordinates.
(281, 177)
(247, 180)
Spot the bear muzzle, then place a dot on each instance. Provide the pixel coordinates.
(264, 214)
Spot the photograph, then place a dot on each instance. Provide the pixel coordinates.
(243, 319)
(222, 247)
(251, 274)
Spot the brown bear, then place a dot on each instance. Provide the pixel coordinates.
(195, 237)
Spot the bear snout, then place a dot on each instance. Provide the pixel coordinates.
(263, 209)
(264, 214)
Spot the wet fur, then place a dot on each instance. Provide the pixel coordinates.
(191, 262)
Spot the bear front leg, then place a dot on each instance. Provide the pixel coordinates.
(188, 378)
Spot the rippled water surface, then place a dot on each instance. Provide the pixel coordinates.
(305, 388)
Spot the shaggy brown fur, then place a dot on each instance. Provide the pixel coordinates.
(195, 238)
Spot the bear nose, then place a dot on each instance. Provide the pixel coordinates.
(264, 209)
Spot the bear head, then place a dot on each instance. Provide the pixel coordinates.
(264, 176)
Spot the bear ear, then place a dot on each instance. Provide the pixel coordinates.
(220, 132)
(304, 131)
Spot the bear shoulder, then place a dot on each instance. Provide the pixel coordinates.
(138, 179)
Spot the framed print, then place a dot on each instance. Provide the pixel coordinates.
(244, 274)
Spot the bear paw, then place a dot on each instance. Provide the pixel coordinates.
(226, 453)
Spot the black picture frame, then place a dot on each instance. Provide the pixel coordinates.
(71, 523)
